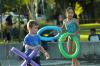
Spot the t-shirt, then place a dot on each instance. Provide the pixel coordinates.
(94, 38)
(31, 40)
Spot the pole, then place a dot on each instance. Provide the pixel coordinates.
(19, 21)
(1, 20)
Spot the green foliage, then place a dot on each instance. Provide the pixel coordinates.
(25, 2)
(78, 9)
(88, 1)
(50, 8)
(8, 5)
(51, 3)
(43, 23)
(49, 12)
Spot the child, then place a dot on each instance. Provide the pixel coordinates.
(93, 37)
(72, 26)
(32, 41)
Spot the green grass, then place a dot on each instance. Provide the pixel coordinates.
(88, 26)
(85, 30)
(83, 37)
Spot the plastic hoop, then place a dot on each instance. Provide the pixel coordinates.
(40, 31)
(63, 52)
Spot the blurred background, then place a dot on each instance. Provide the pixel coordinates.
(51, 11)
(14, 15)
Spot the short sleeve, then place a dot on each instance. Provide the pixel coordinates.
(26, 41)
(39, 40)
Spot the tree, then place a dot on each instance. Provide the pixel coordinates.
(32, 6)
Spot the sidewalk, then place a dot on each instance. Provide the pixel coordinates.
(47, 63)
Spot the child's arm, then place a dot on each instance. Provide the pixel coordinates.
(63, 26)
(44, 52)
(77, 22)
(41, 49)
(29, 47)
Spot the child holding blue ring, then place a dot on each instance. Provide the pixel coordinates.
(32, 41)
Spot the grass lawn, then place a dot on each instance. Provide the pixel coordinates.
(85, 30)
(92, 25)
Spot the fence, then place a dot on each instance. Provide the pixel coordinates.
(87, 48)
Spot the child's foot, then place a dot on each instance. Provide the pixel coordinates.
(73, 65)
(77, 64)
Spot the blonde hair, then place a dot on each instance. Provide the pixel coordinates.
(31, 23)
(69, 8)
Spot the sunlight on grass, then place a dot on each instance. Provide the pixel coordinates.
(92, 24)
(88, 26)
(85, 30)
(83, 37)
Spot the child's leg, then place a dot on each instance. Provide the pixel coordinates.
(29, 65)
(70, 49)
(74, 60)
(77, 62)
(37, 60)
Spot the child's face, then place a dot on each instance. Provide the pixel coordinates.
(34, 29)
(92, 32)
(70, 14)
(60, 18)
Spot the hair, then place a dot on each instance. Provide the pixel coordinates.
(93, 29)
(67, 10)
(31, 23)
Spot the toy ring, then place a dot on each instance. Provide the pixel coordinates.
(55, 28)
(63, 52)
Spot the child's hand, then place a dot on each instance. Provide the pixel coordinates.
(74, 33)
(37, 47)
(47, 56)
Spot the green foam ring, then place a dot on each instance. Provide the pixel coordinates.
(77, 43)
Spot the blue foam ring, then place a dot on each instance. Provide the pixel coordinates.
(56, 28)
